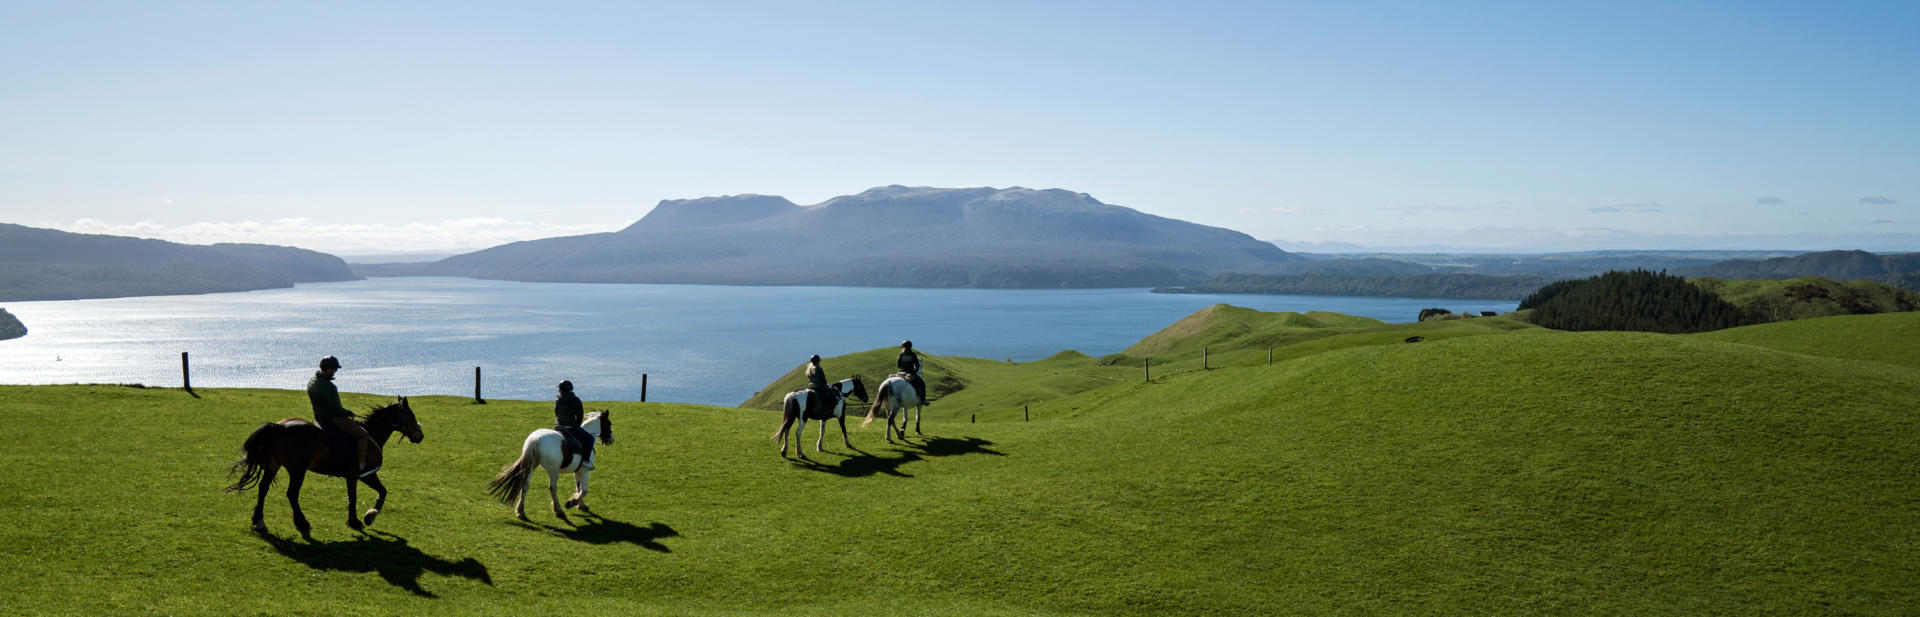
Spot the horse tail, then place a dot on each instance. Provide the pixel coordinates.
(258, 451)
(512, 481)
(789, 410)
(879, 399)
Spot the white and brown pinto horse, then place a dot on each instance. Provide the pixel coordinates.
(804, 405)
(896, 395)
(543, 449)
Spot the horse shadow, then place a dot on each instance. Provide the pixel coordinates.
(950, 446)
(388, 555)
(596, 529)
(861, 465)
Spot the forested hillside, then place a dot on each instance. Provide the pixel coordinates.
(47, 264)
(1898, 269)
(10, 326)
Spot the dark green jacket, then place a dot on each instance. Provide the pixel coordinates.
(325, 398)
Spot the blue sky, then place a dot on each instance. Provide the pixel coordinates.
(363, 127)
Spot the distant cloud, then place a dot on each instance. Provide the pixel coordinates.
(1651, 206)
(1884, 222)
(1418, 209)
(1285, 210)
(1769, 201)
(359, 238)
(1878, 201)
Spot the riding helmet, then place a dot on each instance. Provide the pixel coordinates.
(906, 344)
(329, 362)
(566, 386)
(815, 359)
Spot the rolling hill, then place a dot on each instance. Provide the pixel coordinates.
(891, 236)
(47, 264)
(1493, 468)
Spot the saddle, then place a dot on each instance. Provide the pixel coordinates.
(919, 385)
(820, 404)
(574, 441)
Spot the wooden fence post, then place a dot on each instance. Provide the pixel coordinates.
(186, 375)
(1026, 413)
(1269, 355)
(643, 387)
(476, 387)
(1203, 357)
(1148, 364)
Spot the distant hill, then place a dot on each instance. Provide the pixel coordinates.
(891, 236)
(1474, 286)
(10, 326)
(1808, 297)
(1900, 269)
(47, 264)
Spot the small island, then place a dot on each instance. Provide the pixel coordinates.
(10, 326)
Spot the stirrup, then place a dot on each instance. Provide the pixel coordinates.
(369, 471)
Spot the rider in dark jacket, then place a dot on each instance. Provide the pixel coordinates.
(817, 382)
(334, 418)
(568, 413)
(909, 363)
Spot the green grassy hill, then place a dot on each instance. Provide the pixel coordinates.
(1810, 296)
(1755, 471)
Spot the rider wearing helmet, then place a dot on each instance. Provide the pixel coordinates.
(909, 363)
(817, 381)
(568, 413)
(334, 419)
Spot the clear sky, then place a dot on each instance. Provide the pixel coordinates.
(386, 127)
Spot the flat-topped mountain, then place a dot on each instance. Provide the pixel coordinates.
(892, 236)
(48, 264)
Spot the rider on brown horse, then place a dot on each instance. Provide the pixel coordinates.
(334, 419)
(568, 413)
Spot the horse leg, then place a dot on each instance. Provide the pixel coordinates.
(580, 491)
(843, 433)
(553, 493)
(374, 483)
(820, 437)
(800, 438)
(353, 504)
(785, 423)
(260, 503)
(520, 501)
(295, 477)
(918, 410)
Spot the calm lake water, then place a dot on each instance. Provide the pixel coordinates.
(698, 344)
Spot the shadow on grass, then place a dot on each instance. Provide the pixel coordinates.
(389, 555)
(596, 529)
(949, 446)
(861, 465)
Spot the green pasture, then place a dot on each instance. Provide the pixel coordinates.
(1491, 469)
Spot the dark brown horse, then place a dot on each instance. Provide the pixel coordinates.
(299, 446)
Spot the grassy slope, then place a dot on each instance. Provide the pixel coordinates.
(1536, 472)
(1808, 297)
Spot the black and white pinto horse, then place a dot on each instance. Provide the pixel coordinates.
(896, 395)
(805, 405)
(543, 449)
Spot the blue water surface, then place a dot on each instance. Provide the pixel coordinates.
(696, 343)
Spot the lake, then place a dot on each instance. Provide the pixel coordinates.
(698, 344)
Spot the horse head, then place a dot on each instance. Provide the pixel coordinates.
(397, 416)
(606, 425)
(859, 389)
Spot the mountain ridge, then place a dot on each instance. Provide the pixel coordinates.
(891, 236)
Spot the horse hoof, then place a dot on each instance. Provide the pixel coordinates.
(354, 524)
(260, 528)
(573, 503)
(522, 517)
(369, 516)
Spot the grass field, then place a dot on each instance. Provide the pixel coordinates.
(1493, 469)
